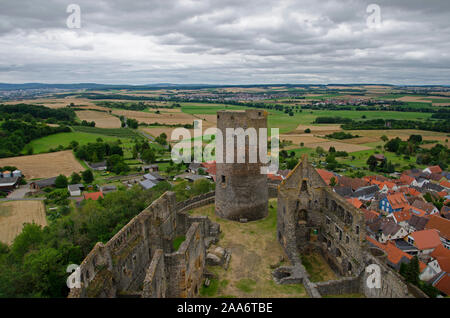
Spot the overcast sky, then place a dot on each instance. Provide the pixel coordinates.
(226, 42)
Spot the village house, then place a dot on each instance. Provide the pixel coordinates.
(41, 184)
(395, 256)
(432, 169)
(366, 193)
(107, 188)
(93, 195)
(8, 184)
(416, 223)
(98, 166)
(439, 261)
(385, 229)
(426, 240)
(419, 205)
(401, 217)
(327, 176)
(150, 168)
(148, 184)
(393, 203)
(442, 226)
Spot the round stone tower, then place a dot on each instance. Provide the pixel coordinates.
(241, 189)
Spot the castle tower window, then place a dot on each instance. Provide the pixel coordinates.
(304, 186)
(357, 229)
(223, 179)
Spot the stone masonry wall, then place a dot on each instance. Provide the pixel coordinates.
(241, 189)
(311, 216)
(130, 261)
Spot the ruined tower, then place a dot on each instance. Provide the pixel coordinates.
(241, 189)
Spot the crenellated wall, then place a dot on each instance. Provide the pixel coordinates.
(140, 260)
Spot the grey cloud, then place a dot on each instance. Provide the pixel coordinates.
(226, 41)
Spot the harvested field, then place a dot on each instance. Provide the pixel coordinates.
(56, 102)
(305, 138)
(101, 119)
(13, 214)
(319, 129)
(151, 118)
(339, 146)
(361, 140)
(45, 165)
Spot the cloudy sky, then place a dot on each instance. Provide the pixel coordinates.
(226, 41)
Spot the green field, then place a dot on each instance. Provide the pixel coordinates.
(204, 108)
(113, 132)
(44, 144)
(286, 123)
(361, 157)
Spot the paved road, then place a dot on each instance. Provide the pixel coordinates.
(19, 193)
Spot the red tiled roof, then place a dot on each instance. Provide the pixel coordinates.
(442, 194)
(370, 215)
(210, 167)
(394, 254)
(440, 224)
(402, 216)
(415, 211)
(435, 169)
(354, 183)
(397, 201)
(425, 206)
(92, 195)
(375, 178)
(426, 239)
(406, 179)
(409, 191)
(443, 257)
(445, 183)
(443, 284)
(356, 202)
(326, 175)
(274, 177)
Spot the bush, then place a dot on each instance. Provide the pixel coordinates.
(61, 182)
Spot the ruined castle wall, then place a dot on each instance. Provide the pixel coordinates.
(196, 202)
(310, 212)
(122, 264)
(155, 282)
(185, 266)
(241, 189)
(393, 285)
(346, 285)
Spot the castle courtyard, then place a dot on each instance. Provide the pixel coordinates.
(254, 254)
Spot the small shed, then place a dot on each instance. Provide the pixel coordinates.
(75, 189)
